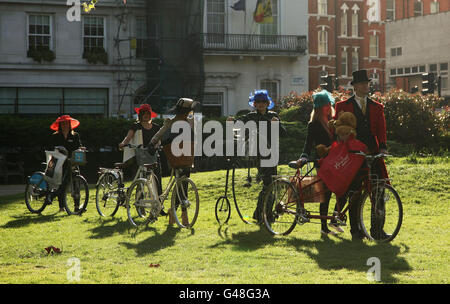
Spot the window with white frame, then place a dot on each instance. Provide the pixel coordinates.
(322, 7)
(344, 70)
(390, 10)
(212, 105)
(344, 24)
(373, 45)
(375, 78)
(434, 7)
(396, 51)
(323, 42)
(270, 29)
(39, 31)
(272, 87)
(355, 27)
(418, 8)
(443, 72)
(215, 21)
(355, 61)
(93, 33)
(141, 36)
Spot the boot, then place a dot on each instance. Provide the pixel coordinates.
(184, 218)
(171, 217)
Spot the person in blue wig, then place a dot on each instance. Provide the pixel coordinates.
(320, 133)
(262, 104)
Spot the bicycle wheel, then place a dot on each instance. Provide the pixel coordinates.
(382, 223)
(35, 194)
(185, 202)
(107, 195)
(246, 185)
(280, 207)
(223, 210)
(142, 203)
(76, 196)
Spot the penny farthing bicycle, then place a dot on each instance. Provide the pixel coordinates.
(245, 186)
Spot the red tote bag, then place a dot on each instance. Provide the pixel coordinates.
(339, 167)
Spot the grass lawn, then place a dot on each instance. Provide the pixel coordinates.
(110, 251)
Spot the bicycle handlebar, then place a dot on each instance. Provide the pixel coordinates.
(368, 156)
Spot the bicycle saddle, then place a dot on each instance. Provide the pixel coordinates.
(293, 164)
(152, 166)
(119, 165)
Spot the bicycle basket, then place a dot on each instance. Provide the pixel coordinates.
(144, 157)
(181, 161)
(78, 158)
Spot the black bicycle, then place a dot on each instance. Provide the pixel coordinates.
(244, 184)
(40, 192)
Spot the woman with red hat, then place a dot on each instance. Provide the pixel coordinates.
(148, 128)
(65, 136)
(144, 123)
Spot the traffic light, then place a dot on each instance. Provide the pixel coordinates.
(327, 82)
(427, 83)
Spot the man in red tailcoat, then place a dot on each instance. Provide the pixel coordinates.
(371, 130)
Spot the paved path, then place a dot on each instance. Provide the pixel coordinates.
(11, 189)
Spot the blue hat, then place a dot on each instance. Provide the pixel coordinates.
(322, 98)
(260, 95)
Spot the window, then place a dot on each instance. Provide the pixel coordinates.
(93, 32)
(355, 25)
(434, 7)
(415, 70)
(375, 78)
(408, 70)
(373, 45)
(393, 72)
(272, 87)
(422, 69)
(400, 71)
(270, 28)
(323, 43)
(54, 100)
(418, 8)
(212, 104)
(215, 21)
(433, 68)
(39, 31)
(344, 71)
(390, 10)
(322, 8)
(141, 36)
(355, 61)
(344, 24)
(444, 76)
(396, 51)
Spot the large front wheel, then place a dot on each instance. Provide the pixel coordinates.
(185, 202)
(142, 203)
(381, 214)
(280, 207)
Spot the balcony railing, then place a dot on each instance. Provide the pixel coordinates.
(254, 44)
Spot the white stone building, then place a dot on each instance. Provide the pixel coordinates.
(237, 59)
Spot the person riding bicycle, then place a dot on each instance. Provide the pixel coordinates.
(319, 133)
(371, 130)
(149, 129)
(262, 103)
(66, 137)
(182, 110)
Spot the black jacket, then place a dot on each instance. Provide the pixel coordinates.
(72, 142)
(316, 135)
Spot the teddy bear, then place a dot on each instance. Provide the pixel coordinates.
(344, 126)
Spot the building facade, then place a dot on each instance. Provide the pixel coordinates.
(51, 62)
(416, 43)
(241, 55)
(345, 36)
(54, 63)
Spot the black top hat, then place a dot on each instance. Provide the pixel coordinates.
(360, 76)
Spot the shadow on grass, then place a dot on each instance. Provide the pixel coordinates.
(25, 220)
(244, 240)
(334, 255)
(155, 242)
(109, 227)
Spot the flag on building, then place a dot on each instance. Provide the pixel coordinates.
(263, 12)
(239, 6)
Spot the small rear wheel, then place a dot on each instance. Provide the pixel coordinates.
(108, 195)
(223, 210)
